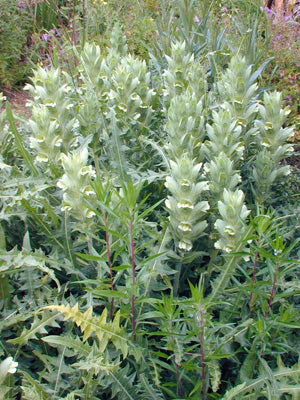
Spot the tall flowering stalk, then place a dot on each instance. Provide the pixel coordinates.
(272, 144)
(52, 124)
(238, 90)
(129, 195)
(185, 129)
(76, 185)
(231, 225)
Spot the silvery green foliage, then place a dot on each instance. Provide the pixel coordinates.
(118, 42)
(221, 175)
(91, 70)
(186, 211)
(197, 78)
(176, 74)
(185, 127)
(237, 89)
(130, 91)
(76, 184)
(225, 135)
(183, 73)
(232, 225)
(53, 126)
(272, 134)
(272, 144)
(2, 114)
(93, 91)
(116, 90)
(45, 138)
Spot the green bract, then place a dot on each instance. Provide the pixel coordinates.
(232, 225)
(76, 184)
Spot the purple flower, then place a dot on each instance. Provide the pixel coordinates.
(44, 36)
(52, 31)
(196, 19)
(62, 51)
(21, 5)
(278, 37)
(224, 9)
(268, 12)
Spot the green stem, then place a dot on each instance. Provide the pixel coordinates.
(229, 268)
(133, 278)
(254, 273)
(273, 288)
(177, 278)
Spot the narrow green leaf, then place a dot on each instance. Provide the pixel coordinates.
(38, 326)
(75, 344)
(19, 141)
(36, 386)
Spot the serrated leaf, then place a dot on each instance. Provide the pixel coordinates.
(38, 326)
(33, 391)
(75, 344)
(230, 394)
(89, 324)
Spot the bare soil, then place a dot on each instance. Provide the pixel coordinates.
(18, 100)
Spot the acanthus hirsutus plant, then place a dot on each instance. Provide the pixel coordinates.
(115, 186)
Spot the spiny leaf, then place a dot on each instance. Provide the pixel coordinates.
(230, 394)
(16, 261)
(89, 324)
(122, 385)
(32, 390)
(96, 363)
(74, 343)
(215, 375)
(38, 326)
(150, 392)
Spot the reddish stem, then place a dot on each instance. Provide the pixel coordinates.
(176, 365)
(133, 277)
(202, 353)
(273, 288)
(109, 263)
(253, 276)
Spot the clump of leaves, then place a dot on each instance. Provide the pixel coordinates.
(148, 201)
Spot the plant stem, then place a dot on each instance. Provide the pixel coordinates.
(176, 365)
(74, 29)
(84, 23)
(177, 278)
(152, 269)
(273, 288)
(229, 268)
(133, 276)
(179, 381)
(253, 276)
(109, 264)
(202, 353)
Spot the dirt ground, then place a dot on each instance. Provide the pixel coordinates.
(17, 100)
